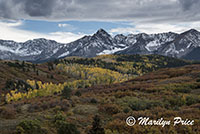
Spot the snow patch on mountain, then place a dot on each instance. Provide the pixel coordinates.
(111, 51)
(153, 45)
(64, 54)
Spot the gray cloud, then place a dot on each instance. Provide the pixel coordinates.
(134, 10)
(8, 9)
(39, 7)
(189, 4)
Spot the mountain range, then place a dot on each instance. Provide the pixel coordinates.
(185, 45)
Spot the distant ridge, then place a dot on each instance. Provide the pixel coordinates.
(168, 44)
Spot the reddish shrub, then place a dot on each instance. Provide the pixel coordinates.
(8, 112)
(109, 109)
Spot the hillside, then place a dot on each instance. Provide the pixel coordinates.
(17, 72)
(112, 86)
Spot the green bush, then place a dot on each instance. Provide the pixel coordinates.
(126, 110)
(93, 100)
(66, 93)
(138, 103)
(66, 128)
(29, 127)
(96, 126)
(198, 80)
(176, 101)
(62, 126)
(109, 109)
(58, 119)
(192, 100)
(78, 93)
(85, 109)
(183, 90)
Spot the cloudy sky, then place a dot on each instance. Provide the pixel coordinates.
(68, 20)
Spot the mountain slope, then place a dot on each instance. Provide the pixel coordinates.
(32, 50)
(182, 44)
(41, 50)
(193, 55)
(147, 44)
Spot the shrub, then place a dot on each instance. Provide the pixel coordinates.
(62, 126)
(108, 131)
(192, 100)
(138, 103)
(177, 101)
(8, 112)
(96, 126)
(67, 128)
(78, 93)
(85, 109)
(58, 119)
(109, 108)
(152, 130)
(183, 90)
(198, 80)
(66, 93)
(29, 127)
(93, 100)
(185, 130)
(126, 110)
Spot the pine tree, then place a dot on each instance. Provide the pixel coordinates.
(37, 72)
(66, 93)
(96, 126)
(33, 66)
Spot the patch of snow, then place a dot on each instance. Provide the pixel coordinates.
(64, 54)
(182, 50)
(170, 49)
(55, 50)
(151, 46)
(189, 45)
(111, 51)
(122, 45)
(3, 48)
(35, 53)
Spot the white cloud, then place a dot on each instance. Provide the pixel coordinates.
(67, 26)
(9, 31)
(151, 28)
(65, 37)
(64, 25)
(12, 23)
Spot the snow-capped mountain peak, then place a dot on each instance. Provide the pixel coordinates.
(102, 32)
(39, 50)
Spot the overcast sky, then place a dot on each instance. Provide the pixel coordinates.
(67, 20)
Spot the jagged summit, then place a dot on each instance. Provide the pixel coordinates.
(191, 31)
(102, 32)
